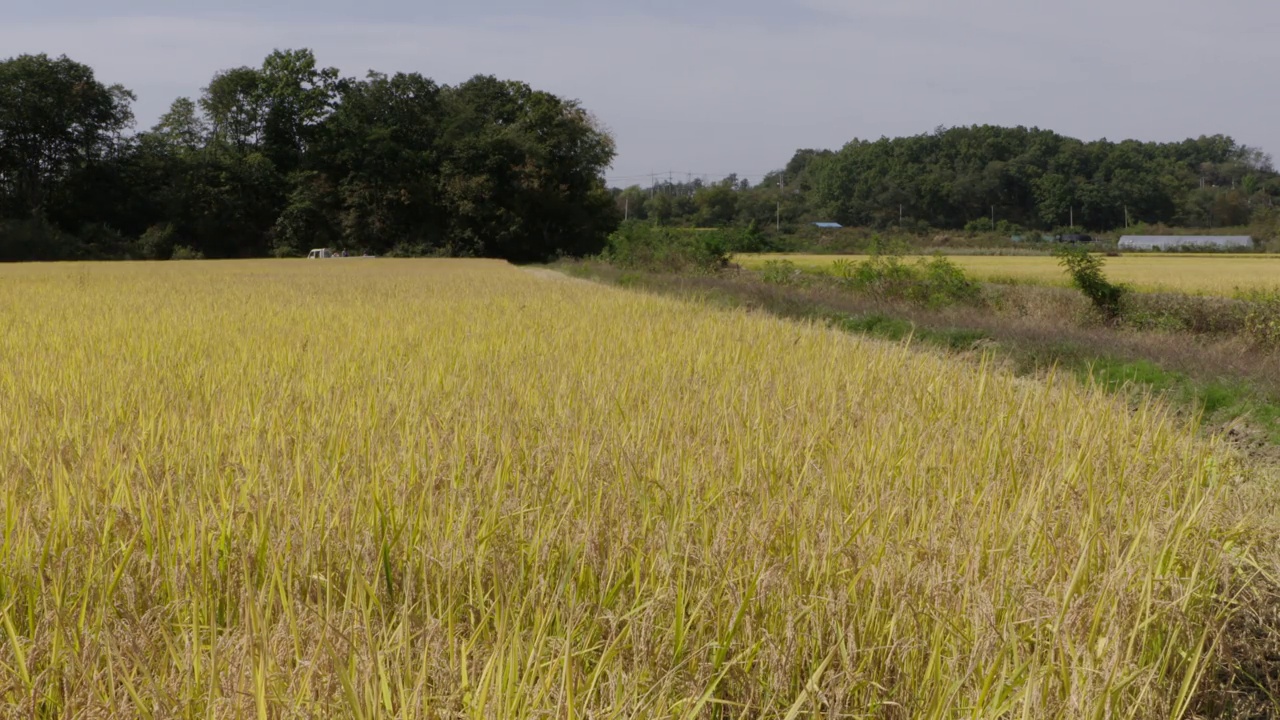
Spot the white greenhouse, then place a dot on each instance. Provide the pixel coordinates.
(1176, 242)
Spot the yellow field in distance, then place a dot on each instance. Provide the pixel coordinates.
(1213, 274)
(434, 488)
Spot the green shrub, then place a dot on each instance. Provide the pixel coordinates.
(406, 249)
(780, 272)
(934, 282)
(99, 241)
(1262, 317)
(1086, 274)
(157, 243)
(35, 238)
(878, 244)
(1181, 312)
(639, 245)
(842, 269)
(184, 252)
(629, 279)
(750, 240)
(876, 325)
(944, 283)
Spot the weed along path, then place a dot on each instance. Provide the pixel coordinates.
(424, 488)
(1212, 274)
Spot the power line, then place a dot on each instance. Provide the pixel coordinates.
(689, 175)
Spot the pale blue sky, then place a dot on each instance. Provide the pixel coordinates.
(720, 86)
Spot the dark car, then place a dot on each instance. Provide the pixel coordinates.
(1075, 238)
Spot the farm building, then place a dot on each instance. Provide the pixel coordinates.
(828, 225)
(1174, 242)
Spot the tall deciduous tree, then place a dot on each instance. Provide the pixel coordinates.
(297, 96)
(181, 130)
(235, 103)
(381, 150)
(56, 119)
(522, 175)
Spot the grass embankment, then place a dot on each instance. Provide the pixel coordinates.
(454, 489)
(1211, 274)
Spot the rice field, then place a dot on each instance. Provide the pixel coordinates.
(1209, 274)
(456, 489)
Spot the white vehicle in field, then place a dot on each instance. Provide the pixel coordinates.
(326, 253)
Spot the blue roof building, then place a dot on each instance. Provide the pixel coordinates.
(828, 225)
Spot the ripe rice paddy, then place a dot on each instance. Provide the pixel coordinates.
(1210, 274)
(457, 489)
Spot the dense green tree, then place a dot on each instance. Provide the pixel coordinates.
(718, 204)
(297, 96)
(56, 120)
(632, 203)
(181, 130)
(381, 149)
(235, 103)
(310, 217)
(522, 176)
(660, 208)
(962, 177)
(287, 156)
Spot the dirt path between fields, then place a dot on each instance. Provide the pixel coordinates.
(548, 274)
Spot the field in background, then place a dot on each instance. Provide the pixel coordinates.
(453, 488)
(1214, 274)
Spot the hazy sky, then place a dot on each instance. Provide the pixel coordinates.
(718, 86)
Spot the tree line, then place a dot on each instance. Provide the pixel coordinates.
(288, 155)
(984, 178)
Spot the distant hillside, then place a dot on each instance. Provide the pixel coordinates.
(958, 177)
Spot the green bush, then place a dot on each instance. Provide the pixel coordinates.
(157, 243)
(35, 238)
(406, 249)
(750, 240)
(99, 241)
(934, 282)
(1086, 274)
(893, 246)
(1262, 317)
(945, 283)
(1180, 312)
(183, 252)
(640, 245)
(780, 272)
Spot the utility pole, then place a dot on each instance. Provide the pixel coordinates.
(993, 218)
(780, 191)
(626, 208)
(899, 214)
(1073, 217)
